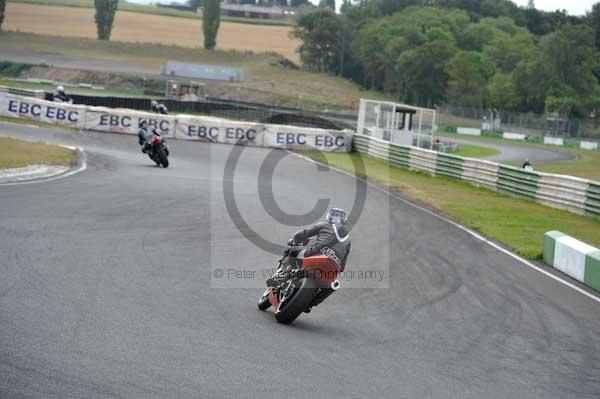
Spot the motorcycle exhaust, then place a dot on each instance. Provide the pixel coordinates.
(335, 285)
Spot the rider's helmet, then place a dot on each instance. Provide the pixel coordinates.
(60, 89)
(153, 104)
(336, 216)
(143, 124)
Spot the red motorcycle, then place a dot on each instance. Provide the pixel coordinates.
(305, 288)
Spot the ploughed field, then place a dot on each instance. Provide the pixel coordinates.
(146, 28)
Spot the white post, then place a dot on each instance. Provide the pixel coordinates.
(361, 116)
(419, 131)
(433, 128)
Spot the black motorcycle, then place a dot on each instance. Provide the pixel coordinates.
(158, 151)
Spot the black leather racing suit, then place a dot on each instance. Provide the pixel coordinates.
(160, 109)
(144, 137)
(61, 96)
(331, 240)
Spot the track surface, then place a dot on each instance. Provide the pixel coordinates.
(106, 293)
(65, 61)
(513, 152)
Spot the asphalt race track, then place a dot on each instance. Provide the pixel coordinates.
(71, 62)
(510, 153)
(106, 276)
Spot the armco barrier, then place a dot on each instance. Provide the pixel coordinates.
(187, 127)
(572, 257)
(564, 192)
(221, 108)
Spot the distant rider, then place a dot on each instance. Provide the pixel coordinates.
(60, 95)
(332, 240)
(159, 108)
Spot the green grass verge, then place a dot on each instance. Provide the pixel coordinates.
(475, 151)
(154, 10)
(518, 224)
(586, 165)
(17, 154)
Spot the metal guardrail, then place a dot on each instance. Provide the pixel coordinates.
(23, 92)
(570, 193)
(259, 113)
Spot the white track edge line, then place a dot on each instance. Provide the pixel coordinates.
(461, 227)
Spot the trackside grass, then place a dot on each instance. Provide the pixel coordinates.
(17, 154)
(475, 151)
(517, 224)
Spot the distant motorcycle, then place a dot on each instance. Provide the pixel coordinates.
(63, 101)
(158, 151)
(305, 287)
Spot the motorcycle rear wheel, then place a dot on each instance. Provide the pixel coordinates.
(263, 301)
(290, 309)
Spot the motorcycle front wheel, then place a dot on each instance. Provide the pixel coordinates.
(297, 301)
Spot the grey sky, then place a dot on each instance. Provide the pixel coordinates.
(573, 7)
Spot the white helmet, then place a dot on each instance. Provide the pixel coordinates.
(60, 89)
(336, 216)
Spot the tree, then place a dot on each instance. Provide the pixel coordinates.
(505, 52)
(423, 72)
(475, 36)
(105, 16)
(502, 93)
(295, 3)
(211, 19)
(593, 20)
(468, 74)
(531, 85)
(195, 4)
(327, 4)
(2, 8)
(319, 32)
(567, 57)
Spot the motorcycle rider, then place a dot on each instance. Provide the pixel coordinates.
(158, 108)
(145, 133)
(60, 95)
(332, 240)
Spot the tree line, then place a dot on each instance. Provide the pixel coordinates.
(488, 53)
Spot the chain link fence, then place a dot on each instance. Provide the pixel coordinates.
(519, 122)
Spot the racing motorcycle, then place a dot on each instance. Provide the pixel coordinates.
(158, 151)
(304, 288)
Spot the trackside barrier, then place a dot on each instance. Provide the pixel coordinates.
(584, 145)
(572, 257)
(188, 127)
(564, 192)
